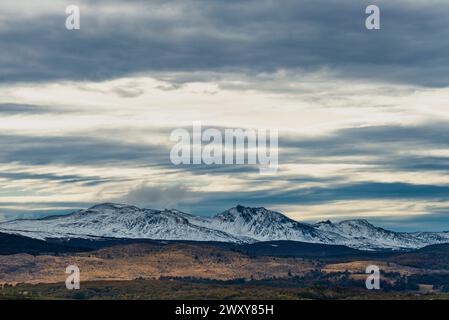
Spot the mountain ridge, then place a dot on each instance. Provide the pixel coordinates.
(239, 224)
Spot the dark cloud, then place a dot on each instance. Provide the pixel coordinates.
(434, 220)
(51, 209)
(233, 36)
(7, 109)
(78, 150)
(370, 190)
(66, 179)
(383, 147)
(91, 150)
(361, 139)
(128, 92)
(154, 197)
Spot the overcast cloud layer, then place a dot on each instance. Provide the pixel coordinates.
(119, 38)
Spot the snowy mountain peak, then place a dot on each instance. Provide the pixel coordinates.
(262, 224)
(250, 214)
(354, 223)
(239, 209)
(357, 222)
(357, 226)
(324, 223)
(251, 210)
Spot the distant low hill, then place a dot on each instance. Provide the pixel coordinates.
(14, 244)
(297, 249)
(430, 257)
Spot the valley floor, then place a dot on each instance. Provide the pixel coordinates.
(191, 290)
(286, 270)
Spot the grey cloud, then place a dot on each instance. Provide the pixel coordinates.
(66, 179)
(425, 134)
(434, 220)
(382, 147)
(91, 150)
(128, 92)
(318, 195)
(169, 196)
(248, 37)
(385, 147)
(38, 210)
(78, 150)
(23, 109)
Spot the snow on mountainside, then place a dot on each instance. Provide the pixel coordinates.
(239, 224)
(118, 221)
(264, 225)
(366, 236)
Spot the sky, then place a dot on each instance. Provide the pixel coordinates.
(362, 115)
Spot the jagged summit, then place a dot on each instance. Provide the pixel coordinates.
(249, 213)
(110, 205)
(356, 222)
(324, 222)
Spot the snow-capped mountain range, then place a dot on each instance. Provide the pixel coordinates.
(239, 225)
